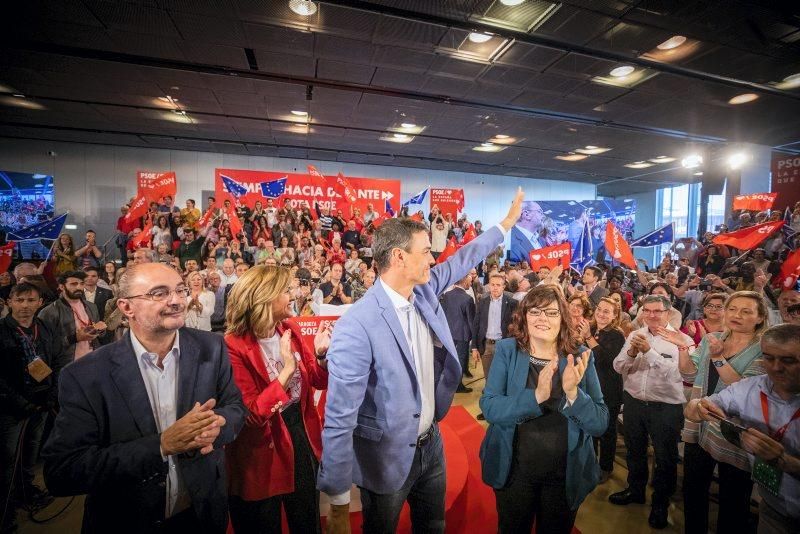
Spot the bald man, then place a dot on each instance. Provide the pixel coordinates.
(525, 234)
(143, 420)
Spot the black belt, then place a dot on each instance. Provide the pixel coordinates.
(648, 403)
(492, 341)
(426, 436)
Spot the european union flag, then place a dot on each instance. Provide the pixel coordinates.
(49, 229)
(234, 188)
(275, 188)
(582, 252)
(665, 234)
(388, 208)
(419, 198)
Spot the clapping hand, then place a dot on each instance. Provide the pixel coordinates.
(322, 340)
(196, 430)
(573, 374)
(584, 329)
(715, 345)
(545, 382)
(640, 343)
(673, 336)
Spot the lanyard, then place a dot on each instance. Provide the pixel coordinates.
(35, 335)
(778, 435)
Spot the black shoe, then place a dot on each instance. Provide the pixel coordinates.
(481, 417)
(467, 374)
(658, 516)
(463, 389)
(625, 497)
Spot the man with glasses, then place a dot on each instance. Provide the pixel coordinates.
(143, 420)
(653, 398)
(525, 234)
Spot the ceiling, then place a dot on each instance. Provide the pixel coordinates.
(102, 71)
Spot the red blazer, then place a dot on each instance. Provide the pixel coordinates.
(261, 460)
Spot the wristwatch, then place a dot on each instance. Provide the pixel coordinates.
(719, 363)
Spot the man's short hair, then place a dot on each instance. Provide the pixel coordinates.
(394, 233)
(499, 275)
(786, 334)
(664, 301)
(62, 278)
(92, 268)
(148, 252)
(598, 273)
(24, 288)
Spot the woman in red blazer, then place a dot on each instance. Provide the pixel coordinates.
(274, 460)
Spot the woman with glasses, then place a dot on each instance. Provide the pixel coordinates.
(201, 303)
(605, 337)
(721, 359)
(274, 461)
(713, 306)
(544, 405)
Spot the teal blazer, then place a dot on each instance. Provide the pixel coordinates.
(506, 402)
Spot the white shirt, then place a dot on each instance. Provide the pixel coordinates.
(530, 236)
(162, 390)
(652, 376)
(202, 320)
(273, 361)
(89, 295)
(494, 326)
(420, 341)
(227, 278)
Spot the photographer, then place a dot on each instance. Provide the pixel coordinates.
(336, 291)
(302, 287)
(89, 255)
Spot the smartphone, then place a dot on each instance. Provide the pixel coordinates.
(731, 430)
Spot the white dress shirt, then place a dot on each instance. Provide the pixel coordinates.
(652, 376)
(162, 390)
(494, 326)
(420, 341)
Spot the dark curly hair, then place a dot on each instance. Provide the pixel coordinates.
(539, 297)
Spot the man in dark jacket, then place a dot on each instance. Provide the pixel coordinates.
(142, 439)
(31, 358)
(459, 308)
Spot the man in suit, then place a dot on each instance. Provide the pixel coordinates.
(393, 371)
(591, 284)
(459, 308)
(143, 420)
(98, 296)
(525, 234)
(73, 318)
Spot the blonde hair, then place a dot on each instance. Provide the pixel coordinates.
(249, 308)
(761, 306)
(195, 274)
(617, 320)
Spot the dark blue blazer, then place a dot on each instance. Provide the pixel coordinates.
(105, 442)
(459, 308)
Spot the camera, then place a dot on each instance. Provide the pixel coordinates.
(304, 282)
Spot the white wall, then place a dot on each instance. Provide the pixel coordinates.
(93, 181)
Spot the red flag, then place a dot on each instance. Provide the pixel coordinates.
(138, 208)
(451, 248)
(618, 247)
(459, 197)
(206, 219)
(469, 235)
(157, 185)
(319, 179)
(755, 202)
(144, 236)
(416, 217)
(236, 224)
(6, 253)
(790, 270)
(550, 257)
(346, 189)
(750, 237)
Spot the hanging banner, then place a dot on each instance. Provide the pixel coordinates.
(300, 189)
(785, 179)
(6, 254)
(755, 201)
(550, 257)
(448, 201)
(156, 185)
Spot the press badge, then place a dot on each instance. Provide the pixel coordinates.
(39, 370)
(767, 476)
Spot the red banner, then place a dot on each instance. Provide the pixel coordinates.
(156, 185)
(617, 247)
(790, 270)
(754, 202)
(6, 254)
(307, 188)
(307, 327)
(144, 237)
(785, 179)
(139, 208)
(448, 200)
(748, 238)
(550, 257)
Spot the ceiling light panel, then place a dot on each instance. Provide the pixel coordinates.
(397, 138)
(633, 79)
(524, 16)
(788, 83)
(592, 150)
(743, 99)
(489, 147)
(571, 157)
(638, 165)
(662, 159)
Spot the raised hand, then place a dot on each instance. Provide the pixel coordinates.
(672, 336)
(514, 211)
(690, 328)
(322, 340)
(573, 374)
(545, 382)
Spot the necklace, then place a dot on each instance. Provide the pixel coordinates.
(538, 361)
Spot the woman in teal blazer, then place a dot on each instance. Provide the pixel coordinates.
(543, 405)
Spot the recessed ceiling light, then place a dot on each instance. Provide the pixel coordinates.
(743, 99)
(673, 42)
(487, 144)
(477, 37)
(511, 3)
(303, 7)
(299, 113)
(408, 125)
(592, 150)
(18, 95)
(571, 157)
(621, 72)
(662, 159)
(488, 147)
(638, 165)
(179, 112)
(501, 136)
(790, 82)
(692, 161)
(397, 138)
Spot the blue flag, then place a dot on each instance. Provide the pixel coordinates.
(665, 234)
(49, 229)
(388, 209)
(582, 250)
(419, 198)
(789, 235)
(234, 188)
(275, 188)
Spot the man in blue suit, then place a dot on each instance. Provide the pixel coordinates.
(459, 308)
(132, 433)
(393, 371)
(525, 234)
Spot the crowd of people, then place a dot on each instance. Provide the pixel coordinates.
(697, 357)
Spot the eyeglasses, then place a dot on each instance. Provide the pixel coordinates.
(161, 294)
(714, 306)
(551, 313)
(793, 310)
(653, 312)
